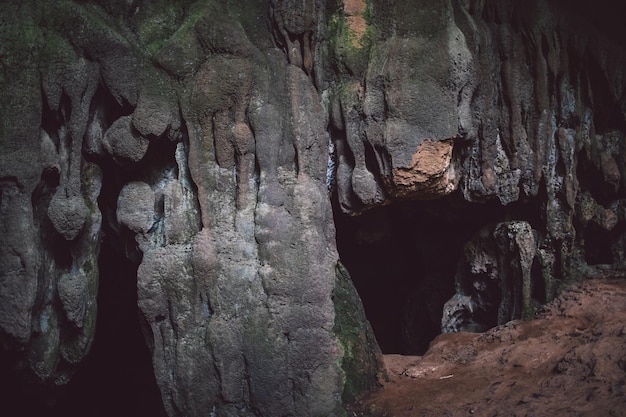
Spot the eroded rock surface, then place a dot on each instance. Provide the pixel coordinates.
(486, 100)
(493, 279)
(208, 141)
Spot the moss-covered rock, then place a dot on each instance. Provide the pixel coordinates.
(362, 359)
(351, 35)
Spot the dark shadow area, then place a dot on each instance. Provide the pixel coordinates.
(117, 377)
(18, 398)
(600, 14)
(599, 244)
(402, 259)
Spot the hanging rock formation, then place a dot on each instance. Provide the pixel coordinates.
(207, 141)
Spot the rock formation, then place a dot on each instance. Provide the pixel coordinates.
(216, 144)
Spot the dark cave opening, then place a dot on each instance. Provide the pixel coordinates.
(598, 241)
(402, 259)
(597, 245)
(117, 376)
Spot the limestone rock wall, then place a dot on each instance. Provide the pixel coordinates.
(215, 156)
(481, 97)
(504, 101)
(207, 139)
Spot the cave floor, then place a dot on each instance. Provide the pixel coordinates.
(569, 361)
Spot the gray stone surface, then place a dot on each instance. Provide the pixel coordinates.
(198, 138)
(135, 207)
(494, 284)
(121, 142)
(67, 213)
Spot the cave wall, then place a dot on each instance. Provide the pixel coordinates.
(207, 140)
(192, 137)
(513, 102)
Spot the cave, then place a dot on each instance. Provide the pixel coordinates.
(600, 245)
(402, 259)
(117, 376)
(119, 296)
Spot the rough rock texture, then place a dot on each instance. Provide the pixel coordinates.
(494, 100)
(207, 140)
(49, 217)
(362, 358)
(493, 279)
(212, 141)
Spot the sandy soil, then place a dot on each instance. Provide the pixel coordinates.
(570, 361)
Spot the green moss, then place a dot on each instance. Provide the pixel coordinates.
(21, 45)
(251, 14)
(351, 52)
(170, 25)
(43, 351)
(361, 361)
(85, 25)
(160, 25)
(91, 180)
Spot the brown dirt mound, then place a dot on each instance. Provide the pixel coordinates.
(570, 361)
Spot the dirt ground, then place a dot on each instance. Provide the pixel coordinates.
(570, 361)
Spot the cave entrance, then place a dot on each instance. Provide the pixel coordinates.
(402, 259)
(117, 377)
